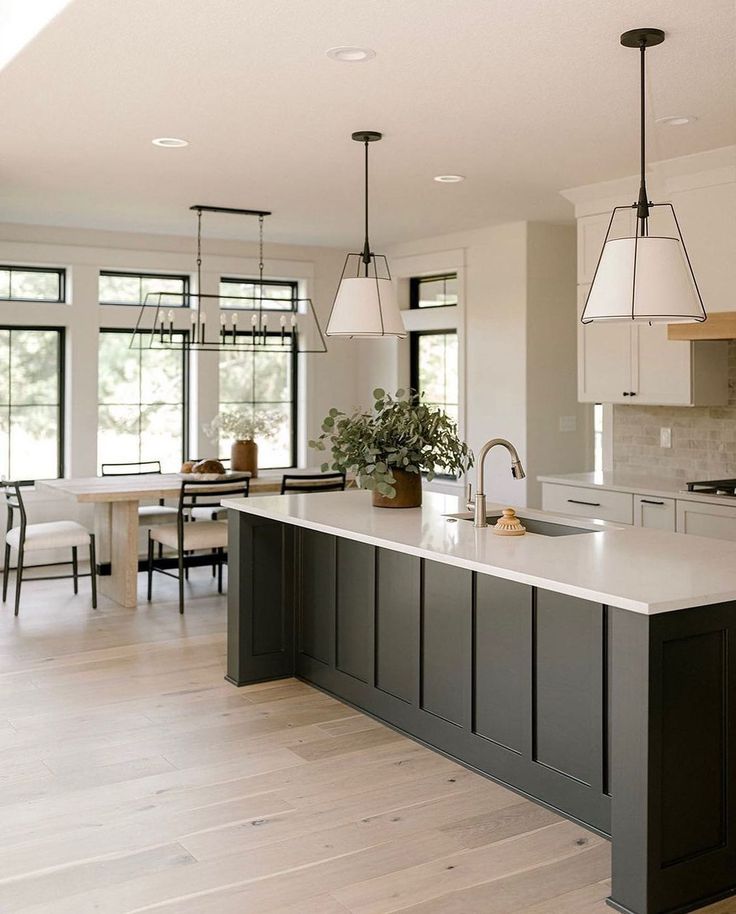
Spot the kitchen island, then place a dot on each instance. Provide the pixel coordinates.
(590, 672)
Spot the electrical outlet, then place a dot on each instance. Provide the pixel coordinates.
(665, 437)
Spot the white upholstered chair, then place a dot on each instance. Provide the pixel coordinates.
(62, 534)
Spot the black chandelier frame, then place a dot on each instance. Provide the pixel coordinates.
(156, 325)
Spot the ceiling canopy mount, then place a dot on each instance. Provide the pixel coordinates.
(367, 136)
(642, 38)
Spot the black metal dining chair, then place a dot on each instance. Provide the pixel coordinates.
(51, 535)
(147, 513)
(187, 539)
(201, 512)
(312, 482)
(142, 468)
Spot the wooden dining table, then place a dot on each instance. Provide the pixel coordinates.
(116, 500)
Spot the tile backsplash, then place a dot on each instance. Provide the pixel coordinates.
(703, 439)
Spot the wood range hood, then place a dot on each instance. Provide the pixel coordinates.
(721, 325)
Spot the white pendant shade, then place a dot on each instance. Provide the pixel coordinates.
(643, 279)
(366, 307)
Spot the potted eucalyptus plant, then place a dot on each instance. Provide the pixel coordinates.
(390, 447)
(243, 430)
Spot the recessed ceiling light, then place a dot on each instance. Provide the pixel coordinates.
(170, 142)
(449, 179)
(677, 120)
(349, 54)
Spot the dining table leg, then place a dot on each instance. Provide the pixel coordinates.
(116, 527)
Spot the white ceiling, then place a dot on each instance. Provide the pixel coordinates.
(524, 97)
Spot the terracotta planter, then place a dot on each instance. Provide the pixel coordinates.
(244, 457)
(408, 492)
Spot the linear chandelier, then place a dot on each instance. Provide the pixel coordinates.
(245, 324)
(645, 277)
(365, 304)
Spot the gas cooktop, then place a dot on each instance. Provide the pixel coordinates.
(714, 487)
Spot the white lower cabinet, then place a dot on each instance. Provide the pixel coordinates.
(598, 504)
(655, 513)
(705, 519)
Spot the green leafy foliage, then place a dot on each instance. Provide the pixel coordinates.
(400, 433)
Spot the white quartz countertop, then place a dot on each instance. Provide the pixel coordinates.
(645, 571)
(616, 481)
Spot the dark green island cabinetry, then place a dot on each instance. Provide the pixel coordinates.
(620, 720)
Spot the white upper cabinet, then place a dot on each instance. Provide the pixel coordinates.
(604, 359)
(707, 217)
(634, 362)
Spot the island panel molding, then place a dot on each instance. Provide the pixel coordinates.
(617, 719)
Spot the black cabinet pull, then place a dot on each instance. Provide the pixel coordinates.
(626, 393)
(647, 501)
(590, 504)
(632, 393)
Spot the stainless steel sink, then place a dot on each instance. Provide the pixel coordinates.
(533, 525)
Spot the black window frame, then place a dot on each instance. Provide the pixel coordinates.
(414, 370)
(184, 277)
(61, 379)
(415, 284)
(293, 283)
(60, 272)
(185, 381)
(294, 397)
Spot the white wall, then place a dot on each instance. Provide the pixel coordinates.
(559, 429)
(325, 380)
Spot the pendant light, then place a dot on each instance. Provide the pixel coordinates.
(365, 304)
(644, 277)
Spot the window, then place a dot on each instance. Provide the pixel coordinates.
(433, 291)
(31, 402)
(132, 288)
(32, 284)
(434, 369)
(264, 383)
(142, 402)
(598, 437)
(277, 296)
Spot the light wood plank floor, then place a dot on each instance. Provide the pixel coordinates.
(133, 778)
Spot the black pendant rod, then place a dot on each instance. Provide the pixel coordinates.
(642, 206)
(365, 137)
(642, 39)
(366, 243)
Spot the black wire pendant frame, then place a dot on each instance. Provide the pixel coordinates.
(640, 224)
(641, 39)
(358, 264)
(156, 328)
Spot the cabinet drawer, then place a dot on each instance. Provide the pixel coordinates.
(706, 519)
(595, 503)
(654, 512)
